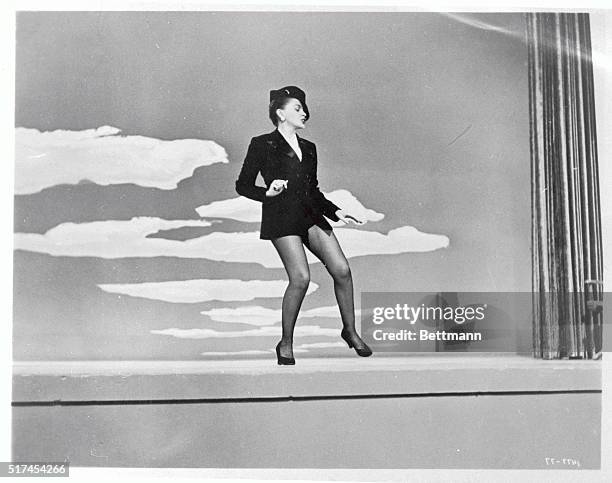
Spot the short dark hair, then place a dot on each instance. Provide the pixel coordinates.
(278, 103)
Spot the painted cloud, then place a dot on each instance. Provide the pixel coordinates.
(128, 238)
(300, 331)
(44, 159)
(106, 239)
(203, 290)
(263, 316)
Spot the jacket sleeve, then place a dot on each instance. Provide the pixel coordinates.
(245, 184)
(325, 206)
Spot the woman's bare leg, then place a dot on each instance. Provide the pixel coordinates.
(324, 245)
(291, 252)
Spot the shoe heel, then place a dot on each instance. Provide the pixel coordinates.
(281, 360)
(364, 352)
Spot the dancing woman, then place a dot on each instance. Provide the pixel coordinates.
(293, 214)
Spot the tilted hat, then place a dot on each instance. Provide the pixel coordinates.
(291, 91)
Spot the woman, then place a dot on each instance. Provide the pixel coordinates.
(293, 214)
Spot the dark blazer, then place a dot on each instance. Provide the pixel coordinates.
(299, 206)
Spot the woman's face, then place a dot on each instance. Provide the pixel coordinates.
(293, 114)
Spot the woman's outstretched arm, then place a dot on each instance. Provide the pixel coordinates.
(245, 184)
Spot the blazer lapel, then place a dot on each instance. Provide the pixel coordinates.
(307, 152)
(280, 145)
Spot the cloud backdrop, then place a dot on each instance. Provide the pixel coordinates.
(103, 156)
(132, 128)
(129, 238)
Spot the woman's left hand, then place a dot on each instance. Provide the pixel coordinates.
(346, 218)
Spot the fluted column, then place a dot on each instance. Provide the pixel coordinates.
(566, 216)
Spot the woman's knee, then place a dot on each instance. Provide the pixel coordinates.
(341, 272)
(300, 280)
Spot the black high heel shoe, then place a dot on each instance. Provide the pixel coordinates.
(283, 361)
(363, 352)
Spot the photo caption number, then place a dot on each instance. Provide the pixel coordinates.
(562, 462)
(35, 469)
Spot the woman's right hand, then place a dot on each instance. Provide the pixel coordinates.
(276, 187)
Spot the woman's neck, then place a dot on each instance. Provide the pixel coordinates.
(287, 131)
